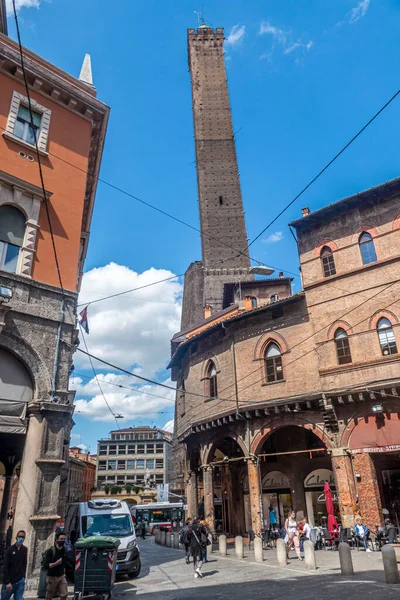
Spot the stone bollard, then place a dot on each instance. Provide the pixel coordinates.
(239, 546)
(162, 538)
(281, 553)
(390, 564)
(168, 539)
(309, 556)
(346, 561)
(157, 536)
(222, 545)
(210, 549)
(258, 550)
(176, 540)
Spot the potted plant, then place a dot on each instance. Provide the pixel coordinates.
(107, 489)
(128, 489)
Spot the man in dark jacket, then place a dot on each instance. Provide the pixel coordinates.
(55, 561)
(198, 542)
(186, 537)
(14, 569)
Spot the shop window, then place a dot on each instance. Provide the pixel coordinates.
(328, 262)
(12, 231)
(212, 380)
(342, 346)
(273, 363)
(387, 340)
(367, 248)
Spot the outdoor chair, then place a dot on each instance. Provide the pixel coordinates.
(328, 540)
(345, 536)
(391, 535)
(359, 542)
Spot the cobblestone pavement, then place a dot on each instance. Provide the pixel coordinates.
(165, 575)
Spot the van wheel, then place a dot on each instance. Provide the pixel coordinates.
(134, 574)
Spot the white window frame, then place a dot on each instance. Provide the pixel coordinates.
(18, 100)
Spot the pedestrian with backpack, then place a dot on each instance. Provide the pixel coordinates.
(54, 562)
(197, 546)
(186, 537)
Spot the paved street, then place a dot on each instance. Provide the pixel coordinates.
(165, 573)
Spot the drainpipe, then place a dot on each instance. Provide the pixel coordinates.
(58, 346)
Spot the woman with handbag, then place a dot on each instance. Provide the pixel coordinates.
(292, 533)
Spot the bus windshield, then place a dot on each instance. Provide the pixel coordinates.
(107, 524)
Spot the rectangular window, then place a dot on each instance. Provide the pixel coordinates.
(140, 449)
(23, 126)
(130, 465)
(101, 478)
(159, 463)
(150, 449)
(343, 351)
(159, 478)
(120, 480)
(121, 465)
(328, 265)
(102, 465)
(112, 450)
(131, 449)
(103, 451)
(150, 463)
(112, 465)
(121, 449)
(9, 257)
(159, 448)
(140, 463)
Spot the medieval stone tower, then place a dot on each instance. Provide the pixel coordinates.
(220, 199)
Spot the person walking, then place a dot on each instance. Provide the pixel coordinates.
(54, 563)
(197, 546)
(186, 536)
(14, 569)
(305, 533)
(143, 529)
(206, 540)
(292, 533)
(272, 519)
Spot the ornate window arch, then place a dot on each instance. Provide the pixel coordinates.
(387, 340)
(367, 248)
(327, 262)
(342, 346)
(211, 379)
(273, 363)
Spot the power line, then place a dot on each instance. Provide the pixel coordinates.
(325, 168)
(125, 387)
(131, 290)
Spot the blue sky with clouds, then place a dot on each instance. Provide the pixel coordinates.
(304, 76)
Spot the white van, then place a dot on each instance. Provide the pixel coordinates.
(106, 516)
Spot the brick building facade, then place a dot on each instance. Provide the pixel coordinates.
(37, 313)
(279, 392)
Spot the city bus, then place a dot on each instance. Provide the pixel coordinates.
(168, 515)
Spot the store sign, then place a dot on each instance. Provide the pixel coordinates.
(393, 448)
(275, 480)
(317, 478)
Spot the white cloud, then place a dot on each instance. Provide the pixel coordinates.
(21, 4)
(133, 330)
(359, 11)
(169, 426)
(236, 34)
(75, 436)
(132, 401)
(274, 237)
(284, 40)
(83, 447)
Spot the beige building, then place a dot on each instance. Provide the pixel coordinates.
(280, 392)
(124, 458)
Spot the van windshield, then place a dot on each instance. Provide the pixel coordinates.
(107, 524)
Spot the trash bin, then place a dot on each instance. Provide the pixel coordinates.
(95, 566)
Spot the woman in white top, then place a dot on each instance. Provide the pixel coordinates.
(293, 533)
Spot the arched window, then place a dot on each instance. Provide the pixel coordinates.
(274, 298)
(12, 231)
(212, 380)
(253, 302)
(387, 340)
(328, 262)
(367, 248)
(342, 346)
(273, 363)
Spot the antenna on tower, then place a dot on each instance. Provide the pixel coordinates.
(202, 15)
(196, 12)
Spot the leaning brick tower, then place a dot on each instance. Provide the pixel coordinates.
(220, 200)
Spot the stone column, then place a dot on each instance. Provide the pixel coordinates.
(255, 495)
(39, 486)
(369, 498)
(298, 495)
(209, 497)
(191, 495)
(345, 485)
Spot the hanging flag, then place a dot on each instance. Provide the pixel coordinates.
(83, 320)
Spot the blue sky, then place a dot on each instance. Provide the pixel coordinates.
(304, 76)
